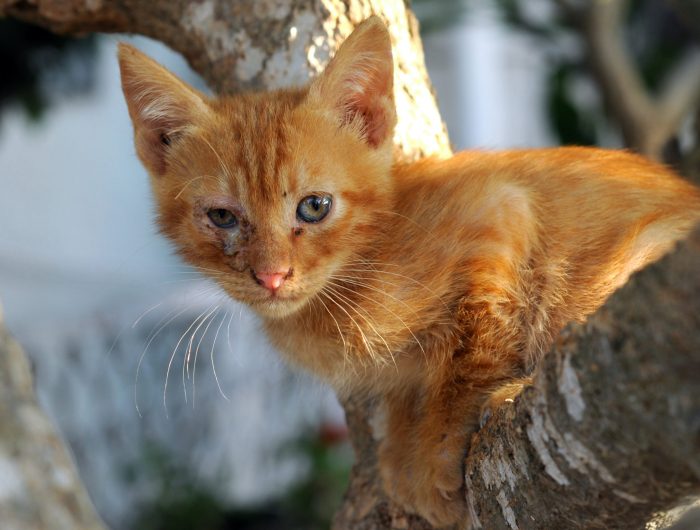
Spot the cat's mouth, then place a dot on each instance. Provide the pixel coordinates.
(278, 305)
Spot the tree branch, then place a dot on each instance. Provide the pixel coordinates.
(679, 95)
(261, 44)
(647, 122)
(608, 434)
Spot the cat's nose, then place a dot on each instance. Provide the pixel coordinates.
(272, 280)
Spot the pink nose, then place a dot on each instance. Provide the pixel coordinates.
(272, 280)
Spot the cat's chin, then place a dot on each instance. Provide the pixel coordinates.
(277, 308)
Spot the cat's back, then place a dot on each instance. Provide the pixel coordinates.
(585, 216)
(563, 184)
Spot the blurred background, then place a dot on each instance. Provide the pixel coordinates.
(107, 313)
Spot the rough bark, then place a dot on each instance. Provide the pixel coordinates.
(609, 433)
(39, 486)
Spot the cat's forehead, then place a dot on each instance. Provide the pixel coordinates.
(257, 140)
(248, 112)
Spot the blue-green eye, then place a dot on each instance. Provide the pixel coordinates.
(314, 208)
(222, 218)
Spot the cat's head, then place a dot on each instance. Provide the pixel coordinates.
(271, 193)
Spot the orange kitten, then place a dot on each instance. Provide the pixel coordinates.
(432, 284)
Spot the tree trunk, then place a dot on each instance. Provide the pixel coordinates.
(608, 434)
(261, 44)
(39, 487)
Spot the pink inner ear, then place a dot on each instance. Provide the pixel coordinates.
(373, 118)
(366, 100)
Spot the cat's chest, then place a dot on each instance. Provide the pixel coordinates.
(304, 341)
(353, 336)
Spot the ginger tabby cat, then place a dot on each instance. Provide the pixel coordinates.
(432, 284)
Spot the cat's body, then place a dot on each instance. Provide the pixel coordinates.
(537, 237)
(432, 284)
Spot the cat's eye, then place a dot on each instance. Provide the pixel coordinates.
(314, 208)
(222, 218)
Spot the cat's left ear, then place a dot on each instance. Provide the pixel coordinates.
(358, 84)
(161, 106)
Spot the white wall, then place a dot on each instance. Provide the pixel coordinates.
(488, 81)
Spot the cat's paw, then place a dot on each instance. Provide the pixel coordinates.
(501, 396)
(440, 494)
(429, 481)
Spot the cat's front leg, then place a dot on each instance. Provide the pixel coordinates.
(421, 457)
(398, 446)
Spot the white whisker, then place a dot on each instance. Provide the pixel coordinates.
(143, 354)
(355, 307)
(370, 350)
(196, 351)
(342, 338)
(211, 356)
(172, 357)
(387, 309)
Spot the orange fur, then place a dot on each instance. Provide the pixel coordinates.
(432, 283)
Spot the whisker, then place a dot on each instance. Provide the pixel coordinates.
(224, 169)
(398, 275)
(123, 328)
(211, 356)
(190, 182)
(355, 307)
(184, 281)
(357, 280)
(205, 269)
(228, 333)
(196, 352)
(136, 322)
(387, 309)
(143, 354)
(413, 221)
(188, 351)
(342, 338)
(172, 357)
(359, 328)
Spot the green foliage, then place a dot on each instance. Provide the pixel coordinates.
(317, 497)
(181, 502)
(37, 66)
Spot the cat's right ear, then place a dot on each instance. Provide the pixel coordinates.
(161, 106)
